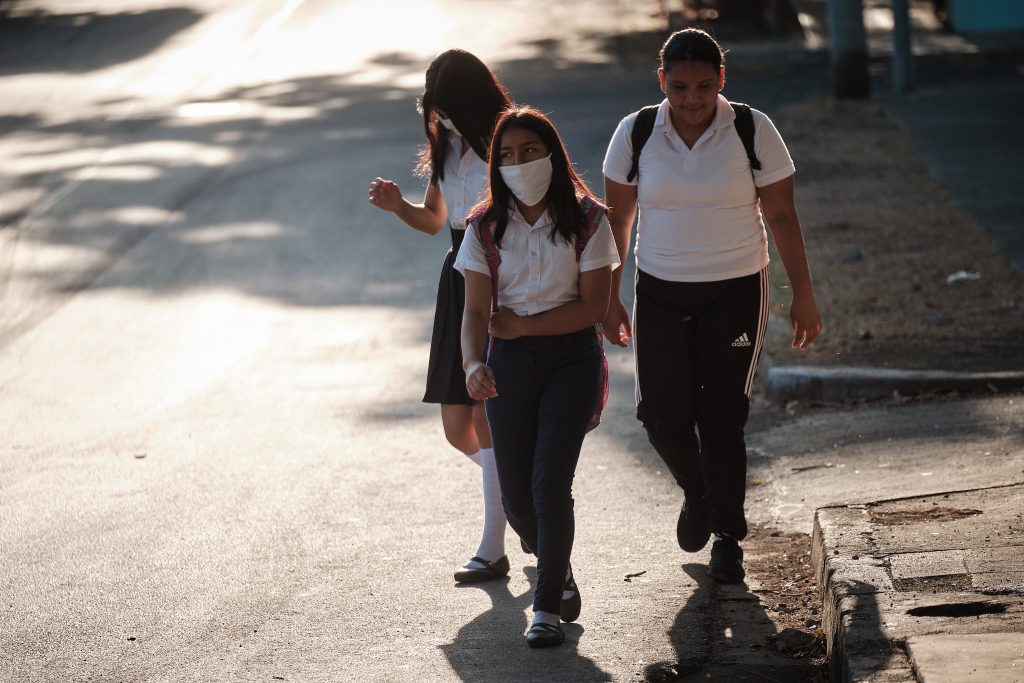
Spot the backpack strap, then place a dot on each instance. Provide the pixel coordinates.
(745, 128)
(593, 210)
(642, 127)
(486, 235)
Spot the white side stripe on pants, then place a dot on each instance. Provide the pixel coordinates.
(762, 324)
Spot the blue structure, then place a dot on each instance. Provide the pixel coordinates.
(971, 16)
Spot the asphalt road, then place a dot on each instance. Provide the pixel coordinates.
(215, 464)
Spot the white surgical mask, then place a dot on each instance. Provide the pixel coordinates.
(447, 123)
(529, 182)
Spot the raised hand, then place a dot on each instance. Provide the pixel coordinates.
(385, 194)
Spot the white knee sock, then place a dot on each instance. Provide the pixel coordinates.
(492, 541)
(475, 457)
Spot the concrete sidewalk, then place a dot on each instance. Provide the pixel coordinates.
(926, 588)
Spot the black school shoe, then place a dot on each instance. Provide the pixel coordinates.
(726, 565)
(489, 571)
(570, 608)
(693, 528)
(545, 635)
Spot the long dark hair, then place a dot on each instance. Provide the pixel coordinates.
(692, 45)
(464, 88)
(564, 195)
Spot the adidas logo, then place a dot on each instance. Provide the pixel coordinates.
(742, 340)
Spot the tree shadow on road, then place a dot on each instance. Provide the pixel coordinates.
(492, 646)
(51, 42)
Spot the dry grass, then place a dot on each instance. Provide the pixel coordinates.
(882, 237)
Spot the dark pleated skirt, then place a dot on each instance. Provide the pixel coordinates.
(446, 383)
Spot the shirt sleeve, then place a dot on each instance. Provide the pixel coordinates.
(619, 157)
(776, 164)
(600, 250)
(472, 255)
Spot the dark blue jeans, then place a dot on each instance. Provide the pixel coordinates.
(548, 388)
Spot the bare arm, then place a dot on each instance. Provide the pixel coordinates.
(428, 217)
(479, 378)
(621, 213)
(586, 311)
(779, 210)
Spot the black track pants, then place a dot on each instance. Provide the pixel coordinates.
(697, 346)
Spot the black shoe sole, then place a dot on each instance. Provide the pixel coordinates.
(495, 570)
(545, 642)
(689, 540)
(691, 545)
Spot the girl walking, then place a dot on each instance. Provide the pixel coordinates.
(524, 255)
(460, 104)
(706, 175)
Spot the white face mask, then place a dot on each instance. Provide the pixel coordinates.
(529, 182)
(447, 123)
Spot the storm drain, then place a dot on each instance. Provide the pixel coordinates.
(958, 609)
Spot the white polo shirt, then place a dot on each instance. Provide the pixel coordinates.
(465, 181)
(537, 274)
(699, 217)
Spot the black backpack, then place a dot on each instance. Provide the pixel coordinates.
(644, 124)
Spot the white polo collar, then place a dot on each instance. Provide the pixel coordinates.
(724, 115)
(543, 222)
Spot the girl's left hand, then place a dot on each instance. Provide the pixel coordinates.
(803, 313)
(505, 324)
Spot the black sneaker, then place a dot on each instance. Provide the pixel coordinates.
(726, 565)
(693, 529)
(570, 608)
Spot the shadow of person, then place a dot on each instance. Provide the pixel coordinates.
(689, 633)
(870, 649)
(723, 632)
(492, 647)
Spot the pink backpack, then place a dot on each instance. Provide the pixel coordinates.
(593, 211)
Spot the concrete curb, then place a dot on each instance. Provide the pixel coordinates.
(812, 383)
(912, 586)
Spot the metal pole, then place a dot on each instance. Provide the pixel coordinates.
(849, 50)
(902, 51)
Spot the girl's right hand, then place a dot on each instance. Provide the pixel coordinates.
(385, 194)
(480, 382)
(616, 325)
